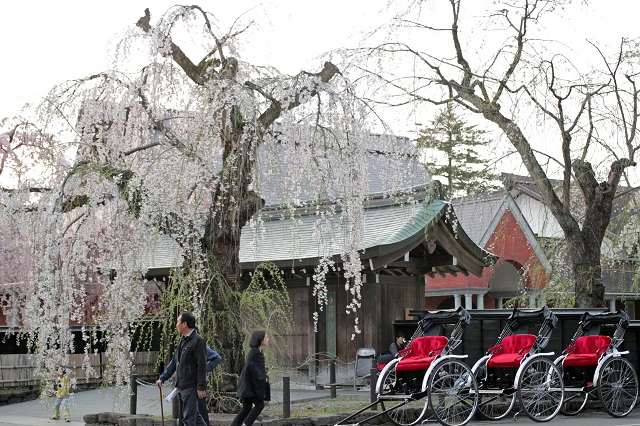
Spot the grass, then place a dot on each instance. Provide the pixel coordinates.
(344, 404)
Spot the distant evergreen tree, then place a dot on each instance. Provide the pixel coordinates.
(458, 158)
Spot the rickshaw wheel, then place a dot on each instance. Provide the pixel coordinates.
(389, 384)
(540, 389)
(618, 386)
(452, 392)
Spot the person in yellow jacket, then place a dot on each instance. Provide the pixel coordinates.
(62, 397)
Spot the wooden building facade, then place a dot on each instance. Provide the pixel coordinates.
(403, 243)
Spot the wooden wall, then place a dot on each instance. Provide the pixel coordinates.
(18, 370)
(384, 300)
(299, 342)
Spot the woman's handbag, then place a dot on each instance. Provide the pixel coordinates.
(267, 391)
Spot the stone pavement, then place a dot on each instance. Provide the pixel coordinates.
(37, 413)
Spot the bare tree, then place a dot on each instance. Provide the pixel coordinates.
(521, 82)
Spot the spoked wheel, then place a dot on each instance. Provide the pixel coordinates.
(492, 403)
(387, 379)
(574, 398)
(618, 386)
(392, 392)
(452, 393)
(540, 389)
(495, 406)
(574, 402)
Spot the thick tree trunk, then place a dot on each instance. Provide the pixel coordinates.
(585, 265)
(232, 206)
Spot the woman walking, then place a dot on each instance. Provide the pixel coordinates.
(253, 381)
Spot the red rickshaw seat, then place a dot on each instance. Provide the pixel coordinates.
(421, 353)
(511, 350)
(586, 351)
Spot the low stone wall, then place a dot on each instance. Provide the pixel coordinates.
(120, 419)
(14, 396)
(321, 420)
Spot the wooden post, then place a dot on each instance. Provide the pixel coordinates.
(133, 399)
(332, 377)
(373, 379)
(286, 398)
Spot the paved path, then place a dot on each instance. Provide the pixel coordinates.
(36, 413)
(87, 402)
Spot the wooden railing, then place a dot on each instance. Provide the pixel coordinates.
(17, 370)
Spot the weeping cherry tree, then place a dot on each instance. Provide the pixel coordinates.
(164, 147)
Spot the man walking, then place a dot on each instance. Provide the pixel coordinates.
(191, 370)
(213, 359)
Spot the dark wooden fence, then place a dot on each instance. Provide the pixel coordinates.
(16, 370)
(486, 325)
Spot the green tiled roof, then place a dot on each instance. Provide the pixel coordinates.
(387, 229)
(292, 238)
(390, 231)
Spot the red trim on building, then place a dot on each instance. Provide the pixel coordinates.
(509, 242)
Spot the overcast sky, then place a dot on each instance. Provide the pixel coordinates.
(45, 42)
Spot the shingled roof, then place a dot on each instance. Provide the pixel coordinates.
(479, 216)
(392, 231)
(477, 212)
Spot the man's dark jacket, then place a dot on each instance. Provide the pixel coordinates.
(253, 377)
(191, 371)
(213, 359)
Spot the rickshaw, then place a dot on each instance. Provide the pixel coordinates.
(516, 367)
(426, 381)
(592, 366)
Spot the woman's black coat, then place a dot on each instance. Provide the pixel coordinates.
(253, 376)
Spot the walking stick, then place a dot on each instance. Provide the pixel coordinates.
(161, 408)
